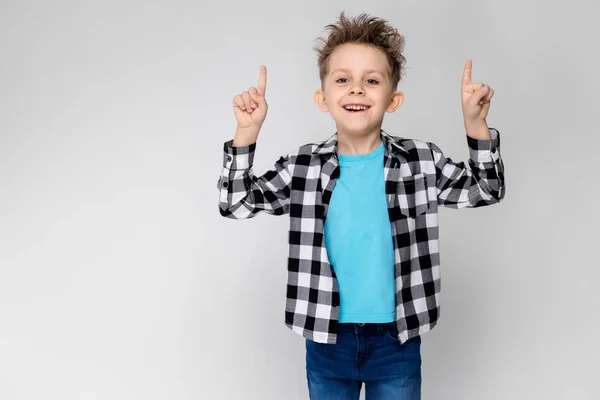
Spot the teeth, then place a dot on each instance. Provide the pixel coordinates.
(355, 107)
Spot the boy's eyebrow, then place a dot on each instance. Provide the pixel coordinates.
(367, 71)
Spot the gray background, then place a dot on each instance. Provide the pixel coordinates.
(120, 280)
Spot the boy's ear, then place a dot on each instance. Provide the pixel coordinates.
(395, 101)
(320, 100)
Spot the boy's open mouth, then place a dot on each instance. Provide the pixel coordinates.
(356, 108)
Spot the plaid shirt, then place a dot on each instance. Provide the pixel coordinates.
(418, 179)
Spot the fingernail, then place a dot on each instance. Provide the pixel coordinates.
(485, 89)
(254, 105)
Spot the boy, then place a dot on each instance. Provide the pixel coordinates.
(363, 262)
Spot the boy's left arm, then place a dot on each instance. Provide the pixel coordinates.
(479, 184)
(483, 183)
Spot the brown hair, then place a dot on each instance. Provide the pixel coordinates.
(372, 31)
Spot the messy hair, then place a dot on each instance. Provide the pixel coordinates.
(366, 29)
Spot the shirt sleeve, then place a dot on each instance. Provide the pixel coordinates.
(480, 184)
(244, 195)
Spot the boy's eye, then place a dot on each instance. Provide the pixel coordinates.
(373, 81)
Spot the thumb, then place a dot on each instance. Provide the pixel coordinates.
(478, 95)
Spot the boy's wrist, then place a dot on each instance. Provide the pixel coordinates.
(478, 130)
(244, 137)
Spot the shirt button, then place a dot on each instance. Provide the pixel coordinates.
(228, 158)
(225, 184)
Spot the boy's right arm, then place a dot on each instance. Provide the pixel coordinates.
(241, 193)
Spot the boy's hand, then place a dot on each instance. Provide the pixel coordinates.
(250, 108)
(475, 102)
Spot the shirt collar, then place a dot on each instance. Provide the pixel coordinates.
(329, 146)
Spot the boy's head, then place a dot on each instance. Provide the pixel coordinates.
(360, 62)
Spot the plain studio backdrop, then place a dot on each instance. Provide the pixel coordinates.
(119, 279)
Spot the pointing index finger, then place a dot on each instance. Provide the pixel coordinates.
(262, 80)
(466, 80)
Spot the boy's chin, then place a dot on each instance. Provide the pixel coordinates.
(357, 128)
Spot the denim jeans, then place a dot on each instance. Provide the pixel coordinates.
(369, 353)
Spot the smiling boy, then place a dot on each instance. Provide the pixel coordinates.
(363, 257)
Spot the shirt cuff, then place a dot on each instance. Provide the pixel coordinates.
(481, 150)
(240, 157)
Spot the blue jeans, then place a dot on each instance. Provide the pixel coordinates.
(369, 353)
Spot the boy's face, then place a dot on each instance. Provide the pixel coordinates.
(358, 74)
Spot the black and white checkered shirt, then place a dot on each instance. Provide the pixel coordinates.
(418, 179)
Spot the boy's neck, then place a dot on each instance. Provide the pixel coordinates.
(353, 144)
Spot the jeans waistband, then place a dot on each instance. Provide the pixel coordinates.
(367, 327)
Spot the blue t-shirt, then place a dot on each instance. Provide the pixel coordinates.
(358, 238)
